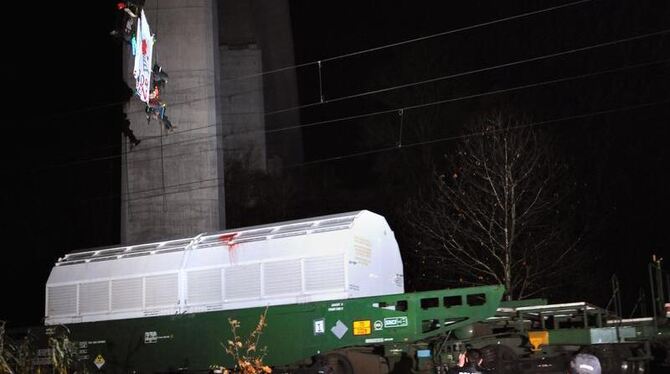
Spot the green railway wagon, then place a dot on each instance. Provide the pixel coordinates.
(378, 333)
(332, 288)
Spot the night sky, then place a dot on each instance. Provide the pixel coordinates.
(63, 138)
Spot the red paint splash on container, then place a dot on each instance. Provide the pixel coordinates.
(227, 239)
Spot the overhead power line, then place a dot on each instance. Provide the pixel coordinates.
(379, 150)
(450, 138)
(414, 40)
(382, 112)
(349, 54)
(470, 72)
(432, 80)
(423, 105)
(412, 84)
(383, 90)
(444, 101)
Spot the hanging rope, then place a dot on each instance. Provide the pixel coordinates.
(160, 122)
(163, 172)
(320, 83)
(401, 113)
(127, 183)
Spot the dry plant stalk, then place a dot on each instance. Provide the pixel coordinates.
(4, 366)
(246, 353)
(63, 353)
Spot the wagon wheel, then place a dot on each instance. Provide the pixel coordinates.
(336, 363)
(498, 358)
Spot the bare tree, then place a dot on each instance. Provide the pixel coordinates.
(495, 213)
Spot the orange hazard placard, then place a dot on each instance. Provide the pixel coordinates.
(362, 327)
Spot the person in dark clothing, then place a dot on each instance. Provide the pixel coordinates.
(159, 76)
(125, 129)
(126, 17)
(469, 362)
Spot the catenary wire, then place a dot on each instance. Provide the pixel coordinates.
(350, 54)
(442, 102)
(470, 72)
(440, 78)
(381, 150)
(414, 40)
(372, 92)
(386, 111)
(357, 95)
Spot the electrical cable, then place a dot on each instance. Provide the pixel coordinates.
(414, 40)
(356, 53)
(372, 92)
(537, 58)
(444, 101)
(407, 145)
(436, 79)
(462, 74)
(387, 111)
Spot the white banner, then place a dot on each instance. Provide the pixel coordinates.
(142, 67)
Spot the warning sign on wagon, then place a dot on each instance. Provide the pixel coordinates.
(99, 361)
(362, 327)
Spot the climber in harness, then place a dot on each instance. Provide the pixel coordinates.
(155, 108)
(126, 18)
(159, 76)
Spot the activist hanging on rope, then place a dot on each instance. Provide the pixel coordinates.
(150, 78)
